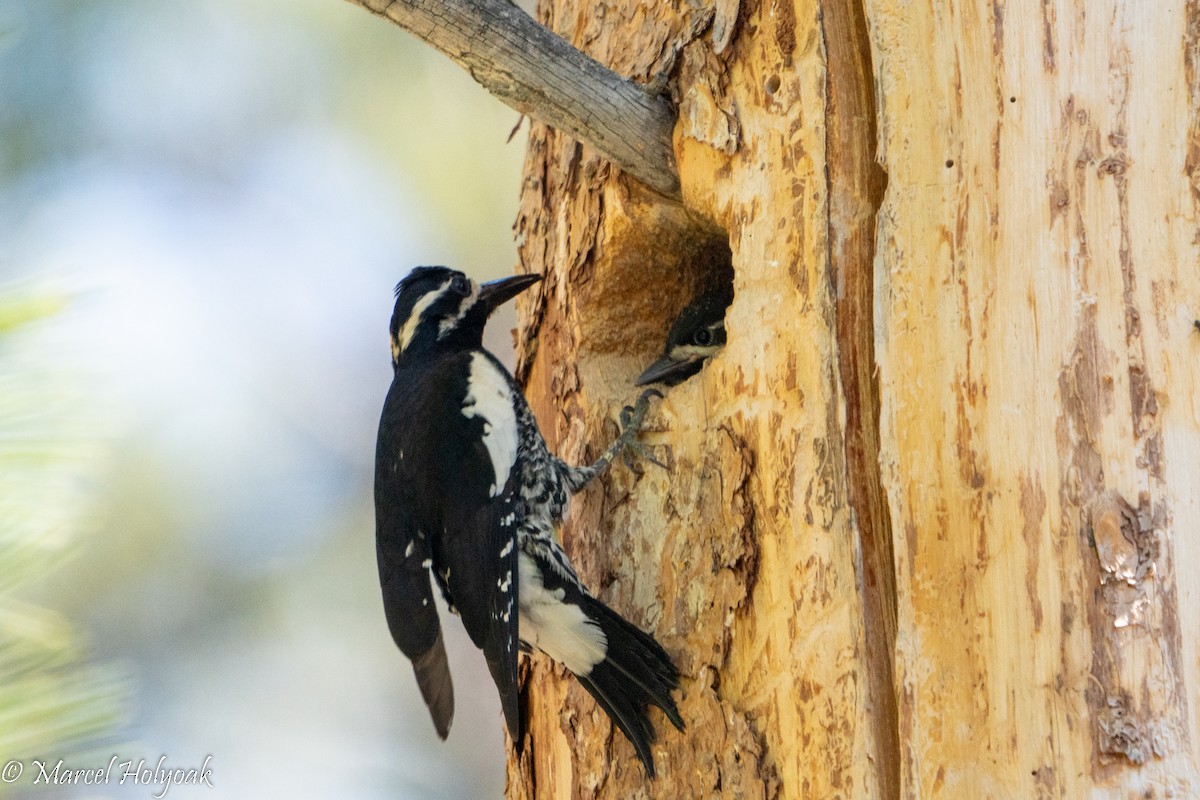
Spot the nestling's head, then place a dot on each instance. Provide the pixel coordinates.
(698, 333)
(441, 306)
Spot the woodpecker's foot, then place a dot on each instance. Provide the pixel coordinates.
(632, 418)
(626, 444)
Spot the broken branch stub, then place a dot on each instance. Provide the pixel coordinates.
(541, 75)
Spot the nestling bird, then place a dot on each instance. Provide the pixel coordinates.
(465, 487)
(697, 334)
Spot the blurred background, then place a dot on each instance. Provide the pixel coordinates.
(203, 210)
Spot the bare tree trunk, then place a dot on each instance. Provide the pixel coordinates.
(1039, 271)
(743, 560)
(926, 512)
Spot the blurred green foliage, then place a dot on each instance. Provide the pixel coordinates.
(51, 699)
(230, 189)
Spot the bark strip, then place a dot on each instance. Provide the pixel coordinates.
(856, 186)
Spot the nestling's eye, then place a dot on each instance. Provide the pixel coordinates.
(703, 337)
(461, 285)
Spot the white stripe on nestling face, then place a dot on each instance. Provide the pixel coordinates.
(560, 630)
(406, 334)
(490, 398)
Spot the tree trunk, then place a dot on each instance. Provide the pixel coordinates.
(921, 528)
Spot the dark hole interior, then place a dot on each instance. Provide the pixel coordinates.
(644, 279)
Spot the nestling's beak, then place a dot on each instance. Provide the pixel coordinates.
(670, 370)
(498, 292)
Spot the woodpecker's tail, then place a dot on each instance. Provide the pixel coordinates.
(635, 673)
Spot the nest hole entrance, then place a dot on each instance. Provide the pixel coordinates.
(646, 275)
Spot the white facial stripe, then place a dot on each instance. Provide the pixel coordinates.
(560, 630)
(414, 319)
(692, 352)
(450, 323)
(490, 398)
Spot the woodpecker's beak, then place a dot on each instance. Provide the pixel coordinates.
(670, 370)
(498, 292)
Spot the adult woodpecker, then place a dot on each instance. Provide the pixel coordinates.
(466, 488)
(698, 333)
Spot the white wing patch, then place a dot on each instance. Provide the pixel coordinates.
(490, 398)
(560, 630)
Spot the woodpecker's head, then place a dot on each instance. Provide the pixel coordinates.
(697, 334)
(437, 305)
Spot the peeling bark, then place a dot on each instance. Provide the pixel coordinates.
(744, 560)
(857, 184)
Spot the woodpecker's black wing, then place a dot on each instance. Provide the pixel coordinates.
(480, 483)
(480, 545)
(455, 447)
(402, 549)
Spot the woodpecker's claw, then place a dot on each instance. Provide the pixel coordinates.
(641, 451)
(626, 445)
(632, 418)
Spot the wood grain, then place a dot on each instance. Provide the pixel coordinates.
(1037, 260)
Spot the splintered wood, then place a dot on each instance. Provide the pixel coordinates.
(930, 528)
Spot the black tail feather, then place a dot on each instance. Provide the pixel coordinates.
(433, 678)
(635, 674)
(633, 722)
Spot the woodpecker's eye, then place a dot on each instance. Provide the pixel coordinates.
(461, 285)
(703, 337)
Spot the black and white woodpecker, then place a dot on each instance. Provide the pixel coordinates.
(466, 488)
(698, 333)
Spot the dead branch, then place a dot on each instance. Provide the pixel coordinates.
(541, 75)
